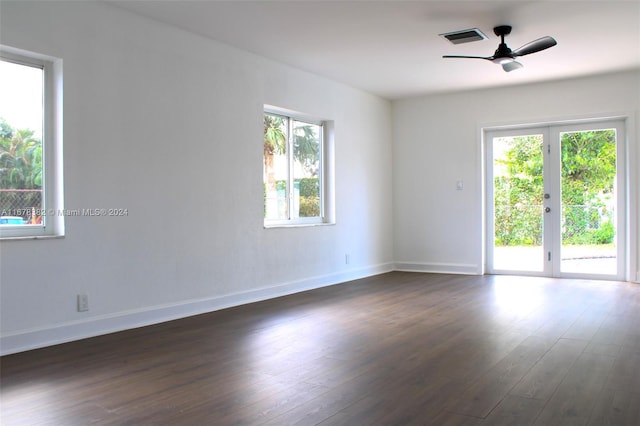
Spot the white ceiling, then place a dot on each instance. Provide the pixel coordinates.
(392, 48)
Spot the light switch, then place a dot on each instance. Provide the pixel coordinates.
(459, 185)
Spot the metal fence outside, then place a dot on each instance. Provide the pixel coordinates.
(25, 203)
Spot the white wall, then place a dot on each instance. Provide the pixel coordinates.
(437, 142)
(168, 125)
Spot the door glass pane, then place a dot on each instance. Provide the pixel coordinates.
(588, 202)
(518, 197)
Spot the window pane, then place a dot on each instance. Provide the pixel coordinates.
(306, 167)
(276, 167)
(21, 154)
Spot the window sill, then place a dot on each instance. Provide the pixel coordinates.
(31, 237)
(296, 225)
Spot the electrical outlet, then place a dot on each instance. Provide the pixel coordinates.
(83, 302)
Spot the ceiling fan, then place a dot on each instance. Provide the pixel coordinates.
(505, 56)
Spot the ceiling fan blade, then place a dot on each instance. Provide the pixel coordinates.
(535, 46)
(510, 66)
(468, 57)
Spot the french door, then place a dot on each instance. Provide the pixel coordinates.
(555, 200)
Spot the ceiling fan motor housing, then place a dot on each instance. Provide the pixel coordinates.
(503, 53)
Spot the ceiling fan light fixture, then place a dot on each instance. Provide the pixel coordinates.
(510, 66)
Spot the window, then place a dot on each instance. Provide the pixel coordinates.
(30, 145)
(296, 172)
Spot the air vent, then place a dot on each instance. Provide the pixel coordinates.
(464, 36)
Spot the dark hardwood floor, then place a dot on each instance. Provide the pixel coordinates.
(395, 349)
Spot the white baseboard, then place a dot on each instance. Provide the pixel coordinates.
(439, 268)
(95, 326)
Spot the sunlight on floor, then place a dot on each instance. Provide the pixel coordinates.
(517, 298)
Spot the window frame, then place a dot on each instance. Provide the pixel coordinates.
(52, 188)
(325, 170)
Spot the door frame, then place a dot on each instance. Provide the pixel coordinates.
(551, 131)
